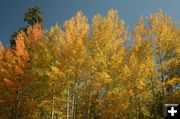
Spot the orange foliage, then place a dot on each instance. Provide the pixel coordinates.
(1, 49)
(35, 33)
(9, 82)
(20, 50)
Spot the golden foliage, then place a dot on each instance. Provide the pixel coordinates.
(86, 70)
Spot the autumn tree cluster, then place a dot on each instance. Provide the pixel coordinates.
(87, 71)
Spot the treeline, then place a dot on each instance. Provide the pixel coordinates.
(86, 71)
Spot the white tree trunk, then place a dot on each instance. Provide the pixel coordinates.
(52, 113)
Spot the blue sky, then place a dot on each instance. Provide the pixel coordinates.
(12, 11)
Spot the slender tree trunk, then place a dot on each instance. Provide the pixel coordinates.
(72, 110)
(73, 101)
(154, 100)
(140, 115)
(67, 104)
(89, 107)
(17, 109)
(136, 111)
(162, 95)
(89, 99)
(130, 108)
(136, 106)
(76, 112)
(10, 112)
(67, 98)
(52, 113)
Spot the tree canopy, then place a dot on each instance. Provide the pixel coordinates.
(86, 71)
(32, 16)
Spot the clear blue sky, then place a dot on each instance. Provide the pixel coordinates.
(12, 11)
